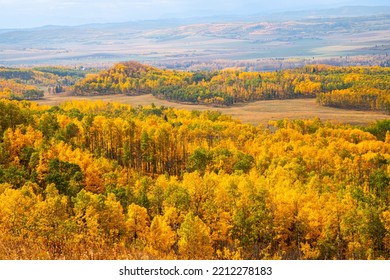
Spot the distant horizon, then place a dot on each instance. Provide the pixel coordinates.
(42, 13)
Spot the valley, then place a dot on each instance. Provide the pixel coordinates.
(348, 36)
(259, 112)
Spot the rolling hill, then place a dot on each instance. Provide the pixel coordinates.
(320, 34)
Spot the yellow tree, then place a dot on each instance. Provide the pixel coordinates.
(161, 238)
(51, 223)
(16, 209)
(137, 224)
(194, 239)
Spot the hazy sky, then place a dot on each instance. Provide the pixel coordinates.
(33, 13)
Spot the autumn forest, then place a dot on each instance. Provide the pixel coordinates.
(104, 180)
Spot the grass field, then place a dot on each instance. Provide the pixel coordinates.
(259, 112)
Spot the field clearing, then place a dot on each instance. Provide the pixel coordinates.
(259, 112)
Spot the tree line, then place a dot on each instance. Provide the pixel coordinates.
(28, 84)
(366, 88)
(352, 87)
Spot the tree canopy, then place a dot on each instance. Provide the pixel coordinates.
(94, 180)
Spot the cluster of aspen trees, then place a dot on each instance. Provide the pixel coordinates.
(94, 180)
(366, 88)
(30, 83)
(352, 87)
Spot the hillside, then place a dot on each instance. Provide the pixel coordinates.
(32, 83)
(364, 88)
(341, 36)
(94, 180)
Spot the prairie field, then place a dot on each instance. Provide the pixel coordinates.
(260, 112)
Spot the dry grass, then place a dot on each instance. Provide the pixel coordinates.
(259, 112)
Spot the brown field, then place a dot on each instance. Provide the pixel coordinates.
(259, 112)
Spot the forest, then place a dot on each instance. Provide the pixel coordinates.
(353, 87)
(31, 83)
(95, 180)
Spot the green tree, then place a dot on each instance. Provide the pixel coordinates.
(194, 239)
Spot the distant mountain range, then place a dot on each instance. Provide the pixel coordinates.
(346, 31)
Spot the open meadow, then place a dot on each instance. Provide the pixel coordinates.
(260, 112)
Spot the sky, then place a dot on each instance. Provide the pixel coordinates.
(35, 13)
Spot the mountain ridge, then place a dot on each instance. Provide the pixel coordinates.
(204, 39)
